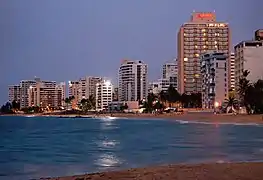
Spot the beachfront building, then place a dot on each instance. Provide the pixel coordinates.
(46, 94)
(104, 91)
(24, 87)
(133, 80)
(214, 73)
(60, 95)
(203, 33)
(83, 88)
(232, 72)
(249, 56)
(170, 73)
(14, 93)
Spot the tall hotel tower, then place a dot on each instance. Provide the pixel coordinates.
(133, 81)
(201, 35)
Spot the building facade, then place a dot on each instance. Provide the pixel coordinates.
(24, 87)
(202, 34)
(133, 81)
(249, 56)
(214, 73)
(14, 93)
(46, 94)
(231, 73)
(83, 88)
(104, 92)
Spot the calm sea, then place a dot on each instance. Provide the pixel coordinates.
(34, 147)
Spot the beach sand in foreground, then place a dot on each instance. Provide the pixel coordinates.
(227, 171)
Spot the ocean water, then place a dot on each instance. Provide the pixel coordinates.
(34, 147)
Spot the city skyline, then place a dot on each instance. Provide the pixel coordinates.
(74, 39)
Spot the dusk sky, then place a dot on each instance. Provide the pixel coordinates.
(67, 39)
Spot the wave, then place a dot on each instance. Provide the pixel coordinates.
(219, 123)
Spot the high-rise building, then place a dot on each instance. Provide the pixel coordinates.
(46, 94)
(60, 95)
(202, 34)
(104, 91)
(133, 80)
(14, 93)
(249, 56)
(214, 73)
(83, 88)
(231, 82)
(170, 74)
(170, 69)
(24, 87)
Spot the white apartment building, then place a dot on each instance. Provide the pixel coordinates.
(249, 56)
(104, 95)
(170, 69)
(14, 93)
(84, 87)
(60, 95)
(170, 72)
(232, 72)
(24, 86)
(133, 80)
(214, 73)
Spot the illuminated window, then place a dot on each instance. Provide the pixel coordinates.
(196, 55)
(204, 38)
(215, 46)
(184, 34)
(215, 42)
(203, 30)
(196, 46)
(185, 59)
(197, 75)
(204, 34)
(204, 46)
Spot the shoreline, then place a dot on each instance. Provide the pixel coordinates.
(215, 171)
(198, 117)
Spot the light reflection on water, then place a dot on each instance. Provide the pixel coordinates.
(39, 146)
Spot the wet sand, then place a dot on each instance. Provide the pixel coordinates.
(228, 171)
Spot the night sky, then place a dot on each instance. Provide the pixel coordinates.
(66, 39)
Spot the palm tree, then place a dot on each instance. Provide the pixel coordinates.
(149, 104)
(230, 102)
(163, 96)
(92, 101)
(67, 101)
(172, 95)
(243, 90)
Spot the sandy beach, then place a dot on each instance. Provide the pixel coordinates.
(227, 171)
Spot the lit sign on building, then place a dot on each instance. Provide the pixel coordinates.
(205, 15)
